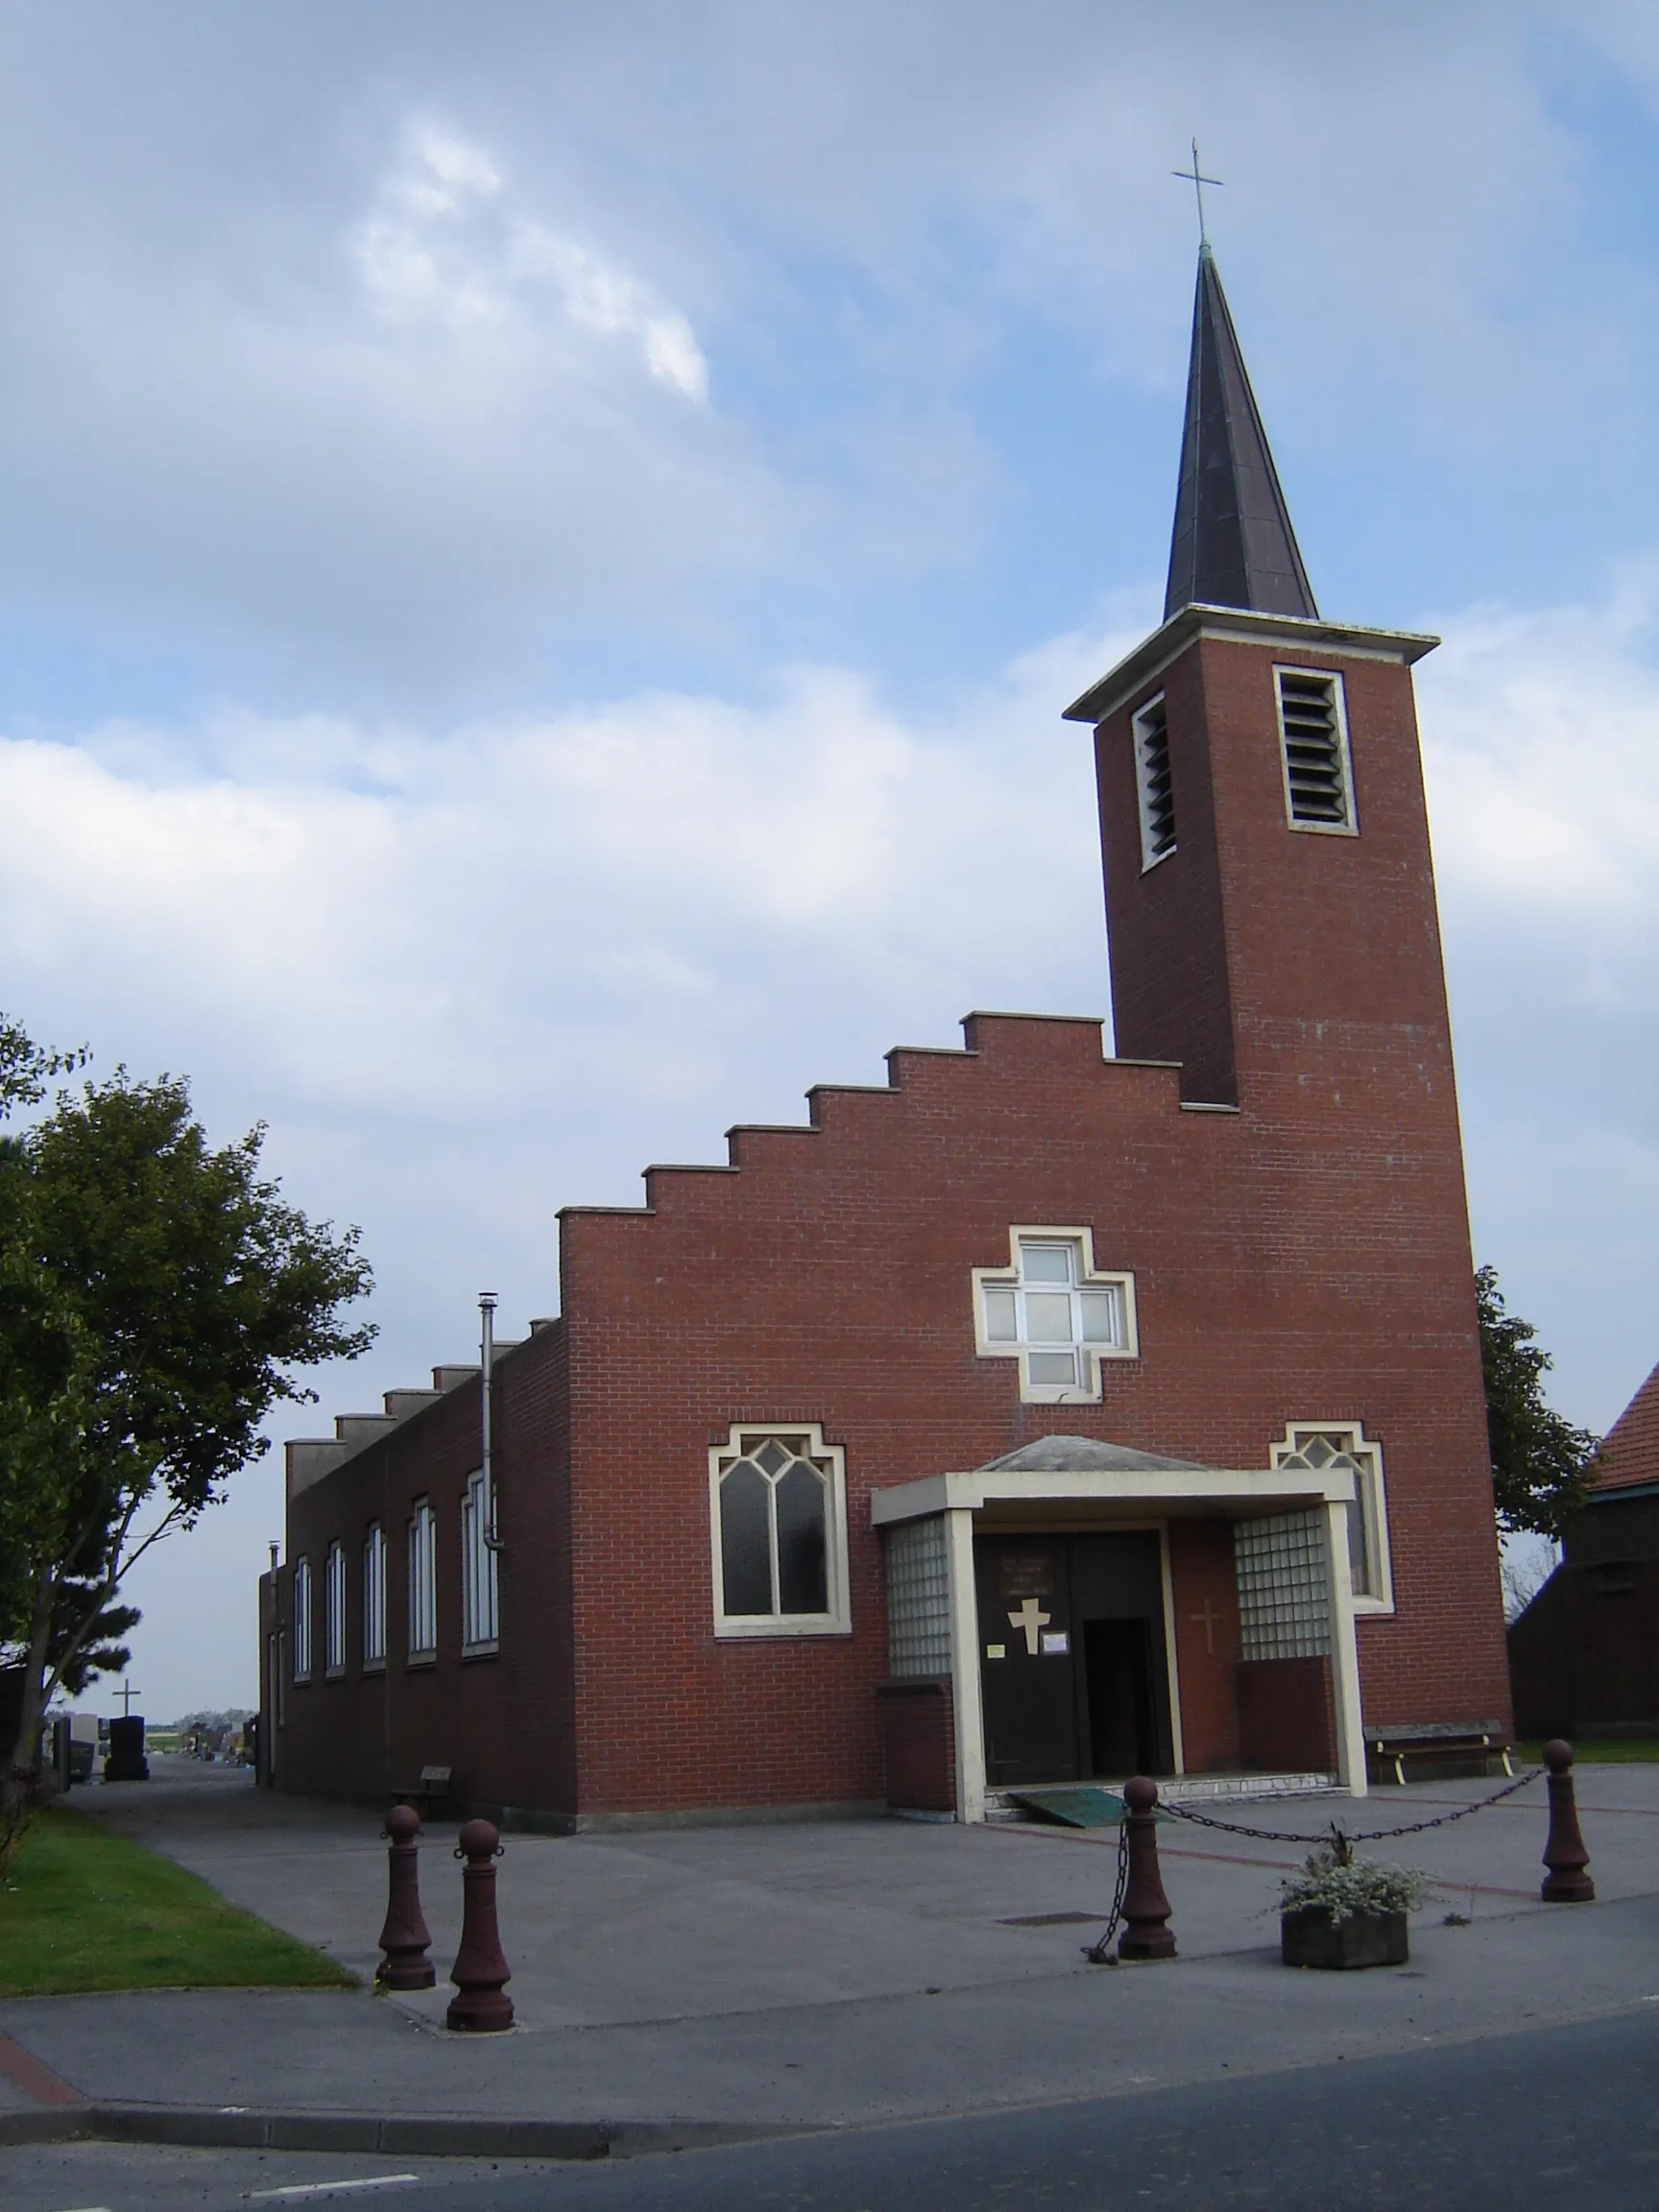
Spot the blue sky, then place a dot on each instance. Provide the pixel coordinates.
(541, 550)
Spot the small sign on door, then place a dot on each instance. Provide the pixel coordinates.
(1056, 1643)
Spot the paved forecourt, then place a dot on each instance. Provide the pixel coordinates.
(827, 1973)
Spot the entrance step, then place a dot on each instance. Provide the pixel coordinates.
(1237, 1788)
(1100, 1805)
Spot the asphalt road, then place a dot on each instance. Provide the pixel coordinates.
(1564, 2115)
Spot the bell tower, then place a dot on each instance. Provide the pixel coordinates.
(1269, 890)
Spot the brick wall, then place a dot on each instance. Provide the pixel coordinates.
(1204, 1588)
(502, 1723)
(1287, 1718)
(1304, 1257)
(918, 1743)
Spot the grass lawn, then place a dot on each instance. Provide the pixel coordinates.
(1602, 1752)
(87, 1909)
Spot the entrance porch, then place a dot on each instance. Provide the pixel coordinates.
(1079, 1611)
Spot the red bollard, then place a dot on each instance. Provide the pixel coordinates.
(480, 1968)
(1567, 1883)
(404, 1938)
(1146, 1932)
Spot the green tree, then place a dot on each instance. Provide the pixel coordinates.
(1540, 1462)
(155, 1296)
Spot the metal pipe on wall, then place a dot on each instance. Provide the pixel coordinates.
(487, 1365)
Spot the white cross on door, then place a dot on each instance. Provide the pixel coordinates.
(1031, 1617)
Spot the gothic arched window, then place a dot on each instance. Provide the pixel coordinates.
(778, 1506)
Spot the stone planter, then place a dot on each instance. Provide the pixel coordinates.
(1309, 1936)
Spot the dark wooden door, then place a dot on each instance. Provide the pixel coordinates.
(1074, 1679)
(1030, 1686)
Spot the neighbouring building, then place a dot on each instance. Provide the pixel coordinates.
(1584, 1655)
(1034, 1415)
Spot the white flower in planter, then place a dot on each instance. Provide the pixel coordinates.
(1336, 1883)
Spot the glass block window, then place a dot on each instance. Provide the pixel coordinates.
(1154, 794)
(1341, 1446)
(480, 1591)
(301, 1619)
(778, 1519)
(374, 1597)
(334, 1610)
(1314, 743)
(423, 1582)
(1056, 1312)
(1283, 1600)
(918, 1598)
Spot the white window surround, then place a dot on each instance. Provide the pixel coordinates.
(802, 1441)
(301, 1619)
(375, 1601)
(480, 1588)
(1032, 1312)
(1349, 825)
(334, 1610)
(423, 1584)
(1322, 1447)
(1154, 796)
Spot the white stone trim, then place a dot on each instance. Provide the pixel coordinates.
(1244, 1489)
(1339, 698)
(969, 1713)
(1171, 1657)
(1139, 731)
(1344, 1656)
(334, 1611)
(1371, 1498)
(1239, 625)
(301, 1579)
(1089, 1278)
(743, 1627)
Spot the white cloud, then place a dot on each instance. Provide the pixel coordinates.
(398, 374)
(444, 243)
(1542, 755)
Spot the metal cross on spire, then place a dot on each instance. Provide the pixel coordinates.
(1196, 178)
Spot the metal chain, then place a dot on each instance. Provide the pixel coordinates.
(1100, 1952)
(1178, 1812)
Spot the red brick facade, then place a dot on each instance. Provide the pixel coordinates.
(1289, 1199)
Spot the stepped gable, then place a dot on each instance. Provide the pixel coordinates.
(1629, 1456)
(1006, 1051)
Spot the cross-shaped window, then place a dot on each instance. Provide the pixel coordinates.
(1056, 1314)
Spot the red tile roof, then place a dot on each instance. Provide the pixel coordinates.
(1631, 1451)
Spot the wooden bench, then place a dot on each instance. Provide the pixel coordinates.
(1445, 1747)
(432, 1791)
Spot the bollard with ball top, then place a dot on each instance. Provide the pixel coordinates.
(1567, 1881)
(1147, 1931)
(480, 1968)
(404, 1940)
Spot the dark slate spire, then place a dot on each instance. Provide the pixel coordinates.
(1234, 546)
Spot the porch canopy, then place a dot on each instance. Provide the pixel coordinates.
(1081, 1480)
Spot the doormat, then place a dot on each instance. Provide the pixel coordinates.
(1079, 1808)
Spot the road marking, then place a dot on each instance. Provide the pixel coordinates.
(296, 2189)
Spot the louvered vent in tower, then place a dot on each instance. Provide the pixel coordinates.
(1319, 788)
(1152, 786)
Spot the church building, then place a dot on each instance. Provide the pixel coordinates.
(1031, 1417)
